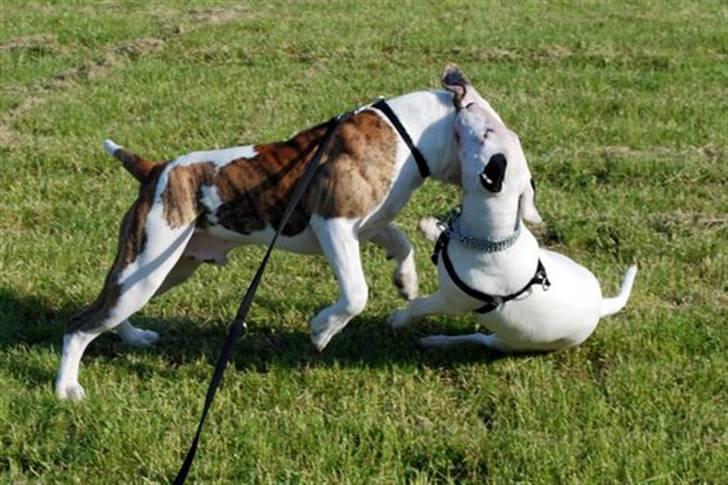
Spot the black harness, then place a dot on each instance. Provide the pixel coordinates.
(491, 302)
(382, 106)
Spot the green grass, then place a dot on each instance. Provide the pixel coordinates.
(623, 112)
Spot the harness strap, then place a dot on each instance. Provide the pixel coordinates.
(491, 302)
(382, 106)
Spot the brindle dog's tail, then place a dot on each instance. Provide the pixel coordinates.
(134, 164)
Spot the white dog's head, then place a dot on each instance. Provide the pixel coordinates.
(491, 157)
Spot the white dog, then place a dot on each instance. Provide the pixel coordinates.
(199, 206)
(531, 299)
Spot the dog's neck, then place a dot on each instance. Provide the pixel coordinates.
(428, 117)
(491, 219)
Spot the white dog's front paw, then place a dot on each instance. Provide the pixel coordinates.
(71, 390)
(399, 319)
(431, 228)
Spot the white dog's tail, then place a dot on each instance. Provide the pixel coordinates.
(613, 305)
(431, 228)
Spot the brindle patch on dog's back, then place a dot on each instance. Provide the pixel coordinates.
(255, 191)
(358, 171)
(181, 195)
(354, 177)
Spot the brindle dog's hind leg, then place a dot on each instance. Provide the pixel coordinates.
(148, 250)
(138, 337)
(201, 248)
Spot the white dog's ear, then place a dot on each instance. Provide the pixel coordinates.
(527, 204)
(455, 81)
(463, 93)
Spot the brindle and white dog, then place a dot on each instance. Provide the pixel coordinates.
(531, 299)
(197, 207)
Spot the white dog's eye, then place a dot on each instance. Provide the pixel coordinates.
(487, 131)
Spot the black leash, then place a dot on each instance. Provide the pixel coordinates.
(238, 327)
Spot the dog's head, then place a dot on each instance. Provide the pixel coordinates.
(491, 157)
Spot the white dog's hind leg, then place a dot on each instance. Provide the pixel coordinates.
(397, 246)
(435, 304)
(613, 305)
(340, 245)
(491, 341)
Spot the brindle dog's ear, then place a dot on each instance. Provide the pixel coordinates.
(455, 81)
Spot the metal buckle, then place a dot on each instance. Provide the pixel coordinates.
(439, 244)
(545, 283)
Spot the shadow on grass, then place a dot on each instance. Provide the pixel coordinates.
(367, 342)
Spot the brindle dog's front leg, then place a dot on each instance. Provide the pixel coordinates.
(395, 243)
(340, 244)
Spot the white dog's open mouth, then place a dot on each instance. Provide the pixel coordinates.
(492, 176)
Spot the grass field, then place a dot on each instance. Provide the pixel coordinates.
(623, 112)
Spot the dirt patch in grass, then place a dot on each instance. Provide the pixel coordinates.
(32, 43)
(103, 63)
(214, 15)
